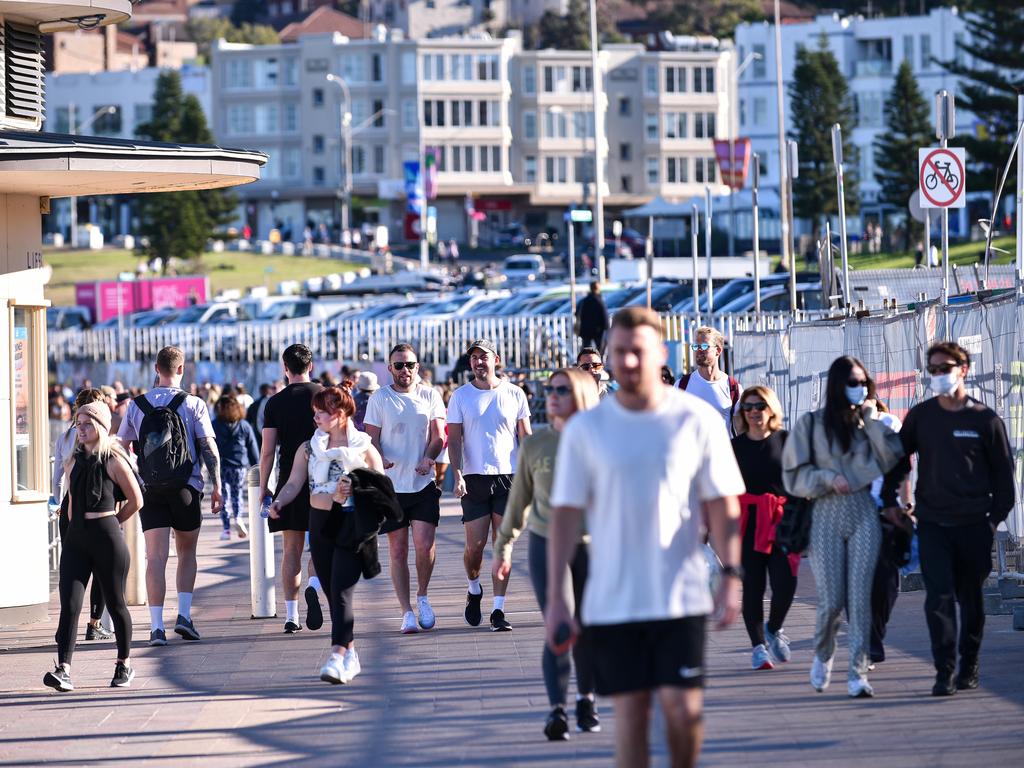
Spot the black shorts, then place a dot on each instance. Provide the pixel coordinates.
(181, 510)
(423, 505)
(645, 655)
(294, 516)
(486, 495)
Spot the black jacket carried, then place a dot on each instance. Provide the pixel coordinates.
(375, 501)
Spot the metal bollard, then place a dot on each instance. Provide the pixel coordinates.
(135, 589)
(261, 555)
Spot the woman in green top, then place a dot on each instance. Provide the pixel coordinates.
(568, 390)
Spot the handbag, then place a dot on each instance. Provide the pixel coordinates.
(793, 533)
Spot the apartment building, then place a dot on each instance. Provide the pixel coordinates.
(869, 52)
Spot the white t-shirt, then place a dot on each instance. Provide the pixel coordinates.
(893, 423)
(490, 443)
(714, 393)
(404, 421)
(640, 477)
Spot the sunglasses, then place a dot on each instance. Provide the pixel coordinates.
(941, 368)
(591, 366)
(561, 390)
(703, 346)
(407, 366)
(754, 406)
(856, 383)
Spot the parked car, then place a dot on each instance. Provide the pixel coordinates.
(664, 295)
(512, 236)
(214, 313)
(67, 318)
(776, 299)
(524, 267)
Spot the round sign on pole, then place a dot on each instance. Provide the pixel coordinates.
(914, 204)
(942, 178)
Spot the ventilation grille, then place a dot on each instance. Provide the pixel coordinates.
(22, 89)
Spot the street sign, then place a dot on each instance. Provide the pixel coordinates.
(941, 177)
(577, 215)
(733, 161)
(914, 204)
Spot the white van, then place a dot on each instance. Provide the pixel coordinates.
(523, 268)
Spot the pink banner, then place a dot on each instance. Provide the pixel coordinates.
(108, 298)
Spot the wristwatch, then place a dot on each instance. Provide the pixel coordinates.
(733, 570)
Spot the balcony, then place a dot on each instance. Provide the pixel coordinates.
(873, 68)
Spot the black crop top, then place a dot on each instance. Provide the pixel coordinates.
(92, 489)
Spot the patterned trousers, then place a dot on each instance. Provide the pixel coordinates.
(845, 539)
(232, 483)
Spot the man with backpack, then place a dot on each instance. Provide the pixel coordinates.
(174, 434)
(711, 384)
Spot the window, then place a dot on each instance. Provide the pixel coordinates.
(290, 71)
(651, 126)
(318, 175)
(267, 118)
(143, 114)
(266, 73)
(442, 158)
(318, 144)
(704, 170)
(378, 113)
(530, 169)
(759, 69)
(409, 68)
(760, 110)
(867, 162)
(908, 49)
(291, 163)
(704, 125)
(743, 112)
(698, 80)
(433, 66)
(60, 119)
(926, 51)
(651, 166)
(433, 112)
(239, 73)
(677, 170)
(583, 169)
(28, 407)
(582, 80)
(705, 83)
(487, 67)
(675, 125)
(625, 106)
(650, 80)
(529, 124)
(698, 170)
(360, 111)
(241, 119)
(869, 107)
(358, 160)
(378, 159)
(353, 68)
(470, 153)
(554, 79)
(556, 170)
(456, 159)
(108, 123)
(291, 117)
(675, 79)
(626, 183)
(490, 113)
(318, 97)
(555, 125)
(409, 114)
(496, 158)
(709, 124)
(625, 152)
(376, 67)
(530, 79)
(583, 125)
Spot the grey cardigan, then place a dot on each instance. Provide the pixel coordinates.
(810, 463)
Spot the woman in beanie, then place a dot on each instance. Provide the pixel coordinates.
(96, 471)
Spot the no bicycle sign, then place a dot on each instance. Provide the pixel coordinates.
(941, 178)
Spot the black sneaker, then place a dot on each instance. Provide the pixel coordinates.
(123, 675)
(967, 679)
(498, 621)
(158, 637)
(186, 628)
(556, 728)
(314, 616)
(291, 627)
(586, 716)
(945, 685)
(97, 632)
(59, 680)
(473, 614)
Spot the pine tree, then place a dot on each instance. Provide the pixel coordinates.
(568, 33)
(989, 86)
(907, 120)
(820, 97)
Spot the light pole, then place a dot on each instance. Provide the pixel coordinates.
(345, 152)
(780, 105)
(733, 99)
(598, 92)
(73, 130)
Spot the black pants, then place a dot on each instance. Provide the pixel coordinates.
(884, 591)
(338, 570)
(955, 561)
(96, 602)
(758, 570)
(97, 548)
(557, 668)
(593, 338)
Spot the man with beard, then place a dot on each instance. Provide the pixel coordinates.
(709, 382)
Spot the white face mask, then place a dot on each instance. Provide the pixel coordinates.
(944, 383)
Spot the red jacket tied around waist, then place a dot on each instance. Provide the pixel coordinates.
(769, 509)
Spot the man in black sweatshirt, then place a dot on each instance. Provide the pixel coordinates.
(964, 490)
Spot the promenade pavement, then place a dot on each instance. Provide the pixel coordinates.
(248, 695)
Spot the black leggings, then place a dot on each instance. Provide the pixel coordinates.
(338, 570)
(96, 601)
(557, 668)
(756, 567)
(93, 547)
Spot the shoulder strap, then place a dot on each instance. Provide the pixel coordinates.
(177, 400)
(684, 381)
(734, 390)
(143, 405)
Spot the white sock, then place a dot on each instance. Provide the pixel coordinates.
(314, 582)
(499, 603)
(185, 604)
(474, 587)
(156, 616)
(291, 608)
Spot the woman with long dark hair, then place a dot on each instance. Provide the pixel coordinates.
(832, 457)
(236, 443)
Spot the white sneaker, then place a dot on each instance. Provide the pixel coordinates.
(334, 670)
(760, 659)
(225, 535)
(409, 625)
(243, 531)
(821, 673)
(778, 645)
(351, 664)
(859, 688)
(427, 617)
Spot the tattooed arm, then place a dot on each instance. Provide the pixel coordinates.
(211, 459)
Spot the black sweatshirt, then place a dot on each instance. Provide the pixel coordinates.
(760, 462)
(965, 469)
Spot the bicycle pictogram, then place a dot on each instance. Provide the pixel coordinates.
(948, 176)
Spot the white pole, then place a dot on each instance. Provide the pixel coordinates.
(945, 129)
(424, 246)
(572, 267)
(792, 165)
(707, 248)
(598, 91)
(780, 106)
(1020, 197)
(262, 570)
(837, 158)
(694, 223)
(754, 184)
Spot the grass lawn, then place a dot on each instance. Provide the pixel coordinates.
(226, 270)
(961, 254)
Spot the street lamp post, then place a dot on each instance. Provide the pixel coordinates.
(598, 92)
(345, 151)
(73, 130)
(749, 59)
(785, 219)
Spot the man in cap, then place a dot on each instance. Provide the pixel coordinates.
(366, 385)
(486, 420)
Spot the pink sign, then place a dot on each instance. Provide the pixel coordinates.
(109, 298)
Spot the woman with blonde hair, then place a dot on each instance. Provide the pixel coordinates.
(758, 446)
(568, 390)
(94, 545)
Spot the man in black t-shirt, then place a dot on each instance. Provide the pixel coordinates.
(288, 423)
(964, 491)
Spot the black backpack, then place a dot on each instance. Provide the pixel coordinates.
(165, 459)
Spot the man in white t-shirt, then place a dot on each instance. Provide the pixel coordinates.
(405, 421)
(486, 420)
(709, 382)
(644, 471)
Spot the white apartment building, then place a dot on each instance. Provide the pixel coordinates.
(869, 52)
(513, 129)
(447, 18)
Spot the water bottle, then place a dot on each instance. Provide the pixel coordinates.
(52, 505)
(265, 506)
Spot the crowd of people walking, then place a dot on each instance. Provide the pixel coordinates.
(639, 481)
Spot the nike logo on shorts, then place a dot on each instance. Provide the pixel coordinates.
(688, 673)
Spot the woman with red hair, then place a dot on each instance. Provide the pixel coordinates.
(335, 449)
